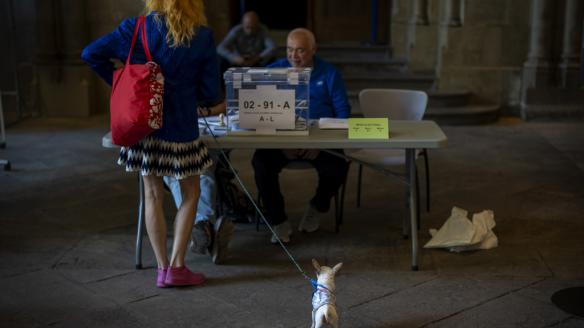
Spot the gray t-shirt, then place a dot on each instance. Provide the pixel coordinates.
(238, 44)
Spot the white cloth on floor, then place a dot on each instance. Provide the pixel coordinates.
(459, 234)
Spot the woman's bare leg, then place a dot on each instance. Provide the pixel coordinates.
(155, 221)
(183, 224)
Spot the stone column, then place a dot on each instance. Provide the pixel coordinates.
(455, 9)
(417, 15)
(47, 36)
(537, 69)
(451, 12)
(392, 5)
(65, 82)
(444, 23)
(421, 10)
(572, 36)
(541, 94)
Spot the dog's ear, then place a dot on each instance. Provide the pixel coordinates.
(337, 267)
(316, 265)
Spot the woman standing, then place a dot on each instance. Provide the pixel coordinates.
(184, 48)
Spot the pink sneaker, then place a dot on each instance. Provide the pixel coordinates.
(182, 276)
(161, 277)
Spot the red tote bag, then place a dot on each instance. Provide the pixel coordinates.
(136, 99)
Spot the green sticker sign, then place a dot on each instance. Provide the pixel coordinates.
(368, 128)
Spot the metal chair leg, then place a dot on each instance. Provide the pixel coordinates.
(337, 206)
(3, 162)
(6, 164)
(342, 209)
(427, 166)
(417, 195)
(360, 172)
(140, 230)
(339, 209)
(406, 221)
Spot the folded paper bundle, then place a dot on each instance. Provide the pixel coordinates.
(460, 234)
(333, 123)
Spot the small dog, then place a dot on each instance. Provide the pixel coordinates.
(324, 311)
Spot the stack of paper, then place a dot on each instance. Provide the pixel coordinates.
(333, 123)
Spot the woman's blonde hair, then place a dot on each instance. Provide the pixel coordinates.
(182, 18)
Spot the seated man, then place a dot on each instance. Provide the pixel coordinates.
(247, 44)
(328, 98)
(209, 232)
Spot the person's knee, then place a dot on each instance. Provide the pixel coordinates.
(259, 161)
(190, 190)
(335, 169)
(153, 195)
(153, 190)
(266, 161)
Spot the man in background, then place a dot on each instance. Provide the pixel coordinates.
(247, 44)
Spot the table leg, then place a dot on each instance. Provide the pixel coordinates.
(413, 186)
(140, 230)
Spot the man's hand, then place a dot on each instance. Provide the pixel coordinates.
(308, 154)
(251, 60)
(238, 61)
(203, 111)
(290, 154)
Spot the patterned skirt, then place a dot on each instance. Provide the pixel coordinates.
(152, 156)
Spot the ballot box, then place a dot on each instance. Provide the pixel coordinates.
(267, 100)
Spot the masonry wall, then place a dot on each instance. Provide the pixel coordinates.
(480, 46)
(475, 45)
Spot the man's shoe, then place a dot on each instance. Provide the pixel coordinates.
(311, 221)
(182, 276)
(283, 230)
(201, 237)
(223, 232)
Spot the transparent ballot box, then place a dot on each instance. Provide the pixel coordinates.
(267, 100)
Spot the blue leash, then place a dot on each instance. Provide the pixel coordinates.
(313, 282)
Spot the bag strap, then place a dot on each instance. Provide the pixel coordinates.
(140, 25)
(145, 40)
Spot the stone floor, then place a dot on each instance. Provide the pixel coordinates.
(68, 216)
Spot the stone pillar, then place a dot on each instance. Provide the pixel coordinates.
(537, 69)
(582, 58)
(65, 82)
(390, 13)
(421, 12)
(455, 9)
(444, 23)
(542, 92)
(572, 36)
(417, 14)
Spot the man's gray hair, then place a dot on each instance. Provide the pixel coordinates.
(306, 33)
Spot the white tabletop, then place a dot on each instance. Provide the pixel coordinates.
(403, 135)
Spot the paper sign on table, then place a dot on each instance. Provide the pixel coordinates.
(266, 107)
(368, 128)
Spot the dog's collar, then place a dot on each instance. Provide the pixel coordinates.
(316, 286)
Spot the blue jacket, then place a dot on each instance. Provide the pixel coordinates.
(191, 73)
(328, 96)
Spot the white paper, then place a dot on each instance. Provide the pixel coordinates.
(266, 107)
(459, 234)
(333, 123)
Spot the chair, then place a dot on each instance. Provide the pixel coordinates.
(339, 198)
(3, 162)
(396, 105)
